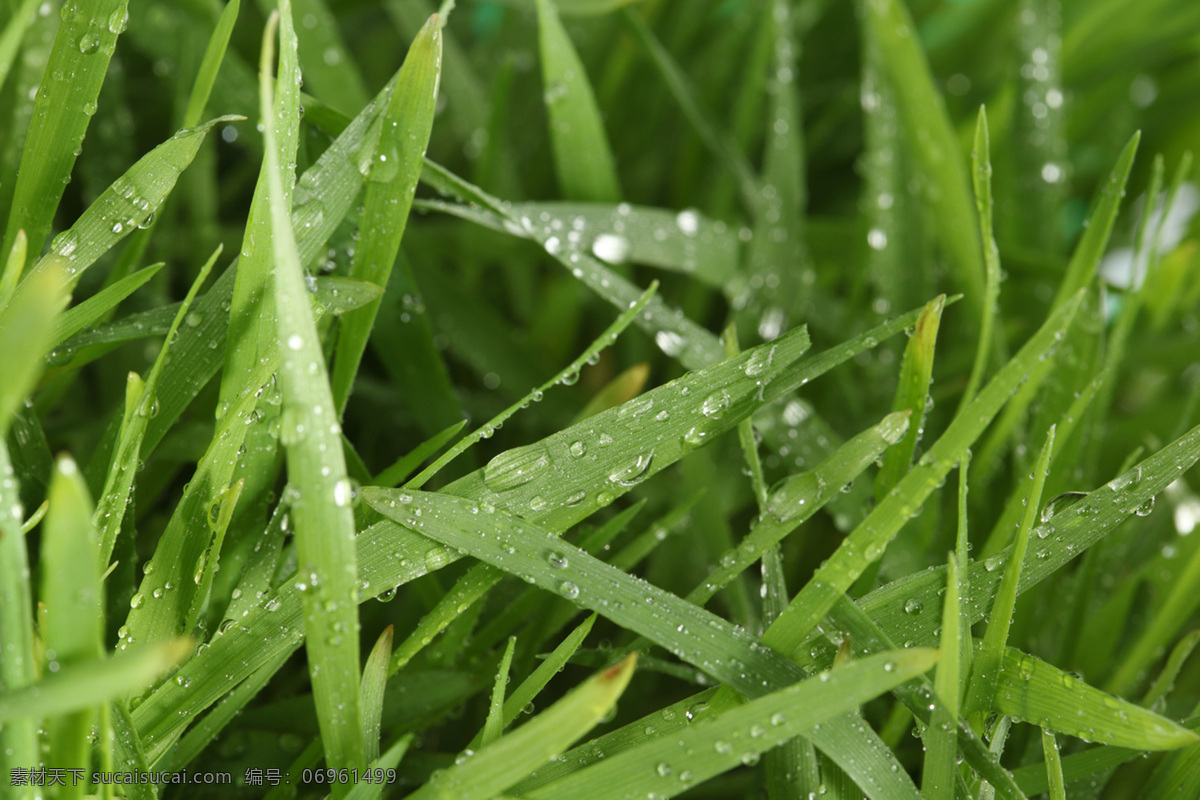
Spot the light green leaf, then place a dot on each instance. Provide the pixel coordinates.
(582, 157)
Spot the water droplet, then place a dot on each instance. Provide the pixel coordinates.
(118, 20)
(557, 560)
(387, 596)
(568, 590)
(663, 769)
(516, 467)
(632, 471)
(1060, 503)
(577, 449)
(89, 43)
(913, 606)
(760, 361)
(294, 342)
(715, 405)
(137, 600)
(688, 222)
(611, 248)
(1145, 508)
(344, 492)
(723, 747)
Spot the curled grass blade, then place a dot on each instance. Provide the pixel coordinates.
(499, 765)
(391, 182)
(321, 501)
(494, 725)
(582, 158)
(739, 735)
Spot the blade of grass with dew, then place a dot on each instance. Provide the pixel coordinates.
(929, 131)
(912, 393)
(497, 766)
(1054, 773)
(372, 789)
(738, 736)
(1067, 534)
(987, 662)
(391, 182)
(71, 621)
(582, 158)
(83, 46)
(252, 315)
(321, 502)
(1176, 777)
(83, 315)
(219, 515)
(866, 543)
(531, 687)
(493, 727)
(88, 683)
(981, 180)
(127, 751)
(128, 203)
(374, 683)
(1080, 271)
(775, 261)
(141, 404)
(566, 376)
(797, 498)
(621, 389)
(686, 242)
(941, 736)
(1029, 689)
(323, 195)
(702, 639)
(389, 555)
(1170, 671)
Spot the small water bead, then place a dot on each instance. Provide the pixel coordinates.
(1060, 503)
(611, 248)
(760, 361)
(663, 769)
(577, 449)
(723, 747)
(913, 606)
(688, 222)
(537, 503)
(1145, 509)
(632, 471)
(716, 404)
(516, 467)
(137, 600)
(568, 590)
(89, 43)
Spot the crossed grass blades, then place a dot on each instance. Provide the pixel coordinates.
(464, 363)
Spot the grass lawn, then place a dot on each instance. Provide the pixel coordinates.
(587, 399)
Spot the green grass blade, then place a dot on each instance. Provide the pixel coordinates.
(981, 174)
(26, 325)
(497, 766)
(912, 393)
(141, 404)
(866, 543)
(83, 46)
(14, 266)
(391, 182)
(19, 745)
(1170, 671)
(529, 689)
(1068, 533)
(930, 133)
(83, 315)
(697, 636)
(941, 737)
(321, 503)
(738, 736)
(1054, 774)
(374, 683)
(86, 684)
(1032, 690)
(582, 158)
(329, 66)
(214, 54)
(72, 624)
(1092, 245)
(991, 653)
(686, 241)
(494, 725)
